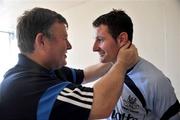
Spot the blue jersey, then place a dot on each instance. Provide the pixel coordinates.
(147, 95)
(31, 92)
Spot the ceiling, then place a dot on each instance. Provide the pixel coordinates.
(11, 9)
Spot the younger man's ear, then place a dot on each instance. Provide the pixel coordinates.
(122, 39)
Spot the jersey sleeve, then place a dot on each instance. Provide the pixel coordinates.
(166, 104)
(74, 102)
(69, 74)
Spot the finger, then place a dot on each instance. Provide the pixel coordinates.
(130, 45)
(133, 48)
(127, 45)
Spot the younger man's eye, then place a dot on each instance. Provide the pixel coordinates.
(100, 40)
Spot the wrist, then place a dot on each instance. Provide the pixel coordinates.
(121, 67)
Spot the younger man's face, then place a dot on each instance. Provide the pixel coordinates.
(105, 45)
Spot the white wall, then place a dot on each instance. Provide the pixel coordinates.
(156, 33)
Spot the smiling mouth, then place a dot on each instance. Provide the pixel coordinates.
(101, 55)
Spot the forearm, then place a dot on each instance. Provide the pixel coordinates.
(107, 92)
(96, 71)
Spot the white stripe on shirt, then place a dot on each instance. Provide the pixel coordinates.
(73, 102)
(79, 91)
(77, 96)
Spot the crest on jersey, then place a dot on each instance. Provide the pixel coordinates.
(131, 103)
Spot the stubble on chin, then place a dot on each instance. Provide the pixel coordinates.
(102, 60)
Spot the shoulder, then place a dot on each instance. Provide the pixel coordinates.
(70, 74)
(151, 82)
(147, 72)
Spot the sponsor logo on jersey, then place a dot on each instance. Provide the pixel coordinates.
(118, 116)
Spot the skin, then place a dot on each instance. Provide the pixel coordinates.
(51, 52)
(106, 45)
(57, 47)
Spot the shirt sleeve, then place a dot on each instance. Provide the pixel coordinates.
(69, 74)
(166, 100)
(74, 102)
